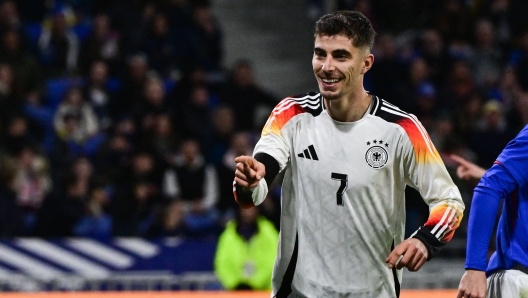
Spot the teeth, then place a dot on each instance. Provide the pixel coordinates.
(330, 81)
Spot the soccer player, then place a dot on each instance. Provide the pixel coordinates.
(348, 156)
(507, 268)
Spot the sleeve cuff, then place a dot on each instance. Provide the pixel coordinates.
(259, 193)
(429, 240)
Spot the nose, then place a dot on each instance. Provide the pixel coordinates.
(328, 65)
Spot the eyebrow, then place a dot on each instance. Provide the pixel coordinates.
(336, 52)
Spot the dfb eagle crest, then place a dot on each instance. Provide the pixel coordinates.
(377, 156)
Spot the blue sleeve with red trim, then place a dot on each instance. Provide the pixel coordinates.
(494, 185)
(515, 157)
(508, 173)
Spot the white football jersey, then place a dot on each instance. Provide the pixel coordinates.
(343, 204)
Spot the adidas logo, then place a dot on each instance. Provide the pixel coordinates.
(309, 153)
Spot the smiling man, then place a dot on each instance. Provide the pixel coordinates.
(347, 156)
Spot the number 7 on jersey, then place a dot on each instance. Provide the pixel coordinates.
(344, 184)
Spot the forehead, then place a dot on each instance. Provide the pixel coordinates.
(333, 42)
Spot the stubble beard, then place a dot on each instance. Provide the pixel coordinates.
(330, 95)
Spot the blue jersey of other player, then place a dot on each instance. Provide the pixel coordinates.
(508, 179)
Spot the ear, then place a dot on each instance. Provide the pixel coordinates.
(367, 63)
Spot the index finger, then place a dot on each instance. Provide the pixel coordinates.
(460, 160)
(396, 255)
(246, 160)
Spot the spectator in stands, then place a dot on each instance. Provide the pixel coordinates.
(460, 86)
(453, 20)
(222, 132)
(519, 60)
(385, 76)
(491, 134)
(117, 152)
(195, 182)
(468, 114)
(442, 129)
(62, 210)
(17, 135)
(103, 44)
(152, 104)
(244, 255)
(240, 144)
(425, 104)
(137, 195)
(74, 108)
(432, 49)
(486, 60)
(245, 98)
(162, 138)
(195, 117)
(32, 183)
(59, 46)
(207, 37)
(133, 212)
(133, 85)
(97, 94)
(9, 17)
(521, 108)
(10, 103)
(169, 221)
(158, 44)
(26, 71)
(11, 216)
(96, 223)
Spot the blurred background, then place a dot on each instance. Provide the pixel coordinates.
(120, 120)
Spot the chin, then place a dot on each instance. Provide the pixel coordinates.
(329, 95)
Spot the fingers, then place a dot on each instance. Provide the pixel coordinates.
(409, 253)
(460, 160)
(247, 172)
(416, 262)
(395, 254)
(250, 167)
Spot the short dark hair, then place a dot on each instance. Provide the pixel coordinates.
(350, 23)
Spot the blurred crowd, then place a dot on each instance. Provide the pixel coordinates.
(119, 118)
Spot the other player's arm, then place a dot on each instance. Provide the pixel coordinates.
(467, 170)
(506, 175)
(253, 177)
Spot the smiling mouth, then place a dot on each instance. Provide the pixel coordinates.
(330, 81)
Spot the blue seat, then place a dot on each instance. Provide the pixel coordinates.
(33, 31)
(56, 88)
(113, 85)
(168, 84)
(82, 30)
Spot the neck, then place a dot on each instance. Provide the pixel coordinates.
(348, 109)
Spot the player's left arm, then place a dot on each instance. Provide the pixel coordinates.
(426, 172)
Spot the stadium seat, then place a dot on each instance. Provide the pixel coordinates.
(169, 85)
(82, 30)
(56, 88)
(113, 85)
(33, 31)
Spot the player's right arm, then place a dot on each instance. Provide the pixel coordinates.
(253, 177)
(255, 174)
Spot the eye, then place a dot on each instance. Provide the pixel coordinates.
(319, 54)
